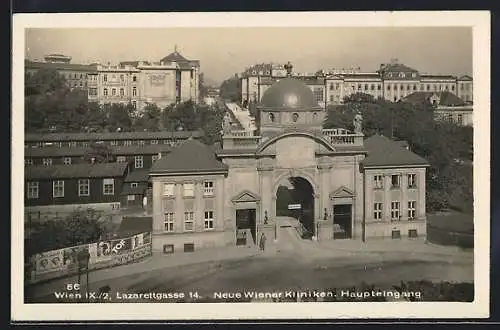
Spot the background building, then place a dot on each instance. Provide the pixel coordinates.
(392, 82)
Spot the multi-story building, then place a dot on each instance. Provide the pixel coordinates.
(75, 75)
(392, 82)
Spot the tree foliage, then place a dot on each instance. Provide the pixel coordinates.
(230, 89)
(445, 145)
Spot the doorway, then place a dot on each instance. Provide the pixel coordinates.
(245, 223)
(342, 221)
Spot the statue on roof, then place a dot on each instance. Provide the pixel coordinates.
(288, 67)
(358, 123)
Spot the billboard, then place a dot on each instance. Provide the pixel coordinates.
(50, 261)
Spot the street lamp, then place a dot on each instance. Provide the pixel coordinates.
(83, 265)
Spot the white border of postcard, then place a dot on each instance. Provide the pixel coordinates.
(479, 21)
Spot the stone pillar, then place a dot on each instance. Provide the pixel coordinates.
(199, 207)
(387, 198)
(179, 208)
(266, 192)
(404, 196)
(157, 206)
(421, 195)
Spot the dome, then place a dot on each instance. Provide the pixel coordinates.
(289, 93)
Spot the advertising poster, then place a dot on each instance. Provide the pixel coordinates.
(137, 241)
(50, 261)
(146, 238)
(121, 245)
(100, 252)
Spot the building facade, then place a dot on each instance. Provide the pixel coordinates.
(392, 82)
(350, 187)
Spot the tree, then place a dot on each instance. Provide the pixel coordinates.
(230, 89)
(44, 81)
(119, 116)
(149, 119)
(181, 115)
(79, 227)
(99, 153)
(202, 88)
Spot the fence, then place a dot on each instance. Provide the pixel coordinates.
(109, 253)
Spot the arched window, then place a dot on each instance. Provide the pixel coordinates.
(271, 117)
(295, 117)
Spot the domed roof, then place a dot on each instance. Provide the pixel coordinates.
(289, 93)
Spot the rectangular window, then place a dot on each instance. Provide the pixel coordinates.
(72, 144)
(460, 119)
(411, 209)
(105, 77)
(154, 142)
(208, 188)
(28, 162)
(139, 162)
(47, 161)
(395, 180)
(58, 188)
(130, 198)
(154, 158)
(318, 94)
(394, 210)
(134, 91)
(412, 183)
(168, 222)
(33, 189)
(108, 186)
(133, 185)
(127, 143)
(113, 91)
(134, 104)
(140, 142)
(378, 181)
(67, 160)
(168, 189)
(83, 187)
(189, 221)
(188, 190)
(105, 92)
(122, 92)
(209, 220)
(121, 159)
(377, 211)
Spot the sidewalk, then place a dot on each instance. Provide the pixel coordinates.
(157, 261)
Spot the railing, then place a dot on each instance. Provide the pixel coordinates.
(342, 136)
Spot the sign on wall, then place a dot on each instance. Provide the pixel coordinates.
(50, 261)
(294, 206)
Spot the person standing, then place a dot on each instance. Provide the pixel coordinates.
(262, 242)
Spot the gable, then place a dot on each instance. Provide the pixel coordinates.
(246, 196)
(342, 192)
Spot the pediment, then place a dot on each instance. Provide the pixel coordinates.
(342, 192)
(246, 196)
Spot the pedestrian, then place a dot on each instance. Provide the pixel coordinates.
(262, 242)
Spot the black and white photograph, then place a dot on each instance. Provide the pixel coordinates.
(250, 165)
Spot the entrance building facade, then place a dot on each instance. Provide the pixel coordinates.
(340, 185)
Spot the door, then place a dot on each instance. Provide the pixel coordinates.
(342, 221)
(245, 223)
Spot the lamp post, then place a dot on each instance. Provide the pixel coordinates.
(83, 265)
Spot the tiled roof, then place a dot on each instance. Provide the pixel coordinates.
(383, 151)
(190, 156)
(174, 57)
(135, 225)
(138, 135)
(75, 171)
(397, 67)
(445, 98)
(465, 78)
(437, 76)
(139, 190)
(60, 66)
(450, 99)
(80, 151)
(137, 176)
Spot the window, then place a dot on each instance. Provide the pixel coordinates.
(134, 91)
(122, 92)
(130, 198)
(93, 91)
(401, 87)
(134, 78)
(407, 87)
(378, 181)
(331, 98)
(83, 187)
(72, 144)
(388, 87)
(85, 144)
(47, 161)
(121, 159)
(379, 87)
(113, 143)
(318, 94)
(359, 86)
(133, 185)
(453, 87)
(33, 189)
(209, 220)
(105, 77)
(127, 143)
(105, 92)
(58, 188)
(271, 117)
(168, 189)
(413, 75)
(394, 210)
(337, 86)
(67, 160)
(189, 221)
(154, 158)
(411, 209)
(412, 183)
(401, 75)
(331, 87)
(168, 222)
(122, 77)
(154, 141)
(140, 142)
(113, 91)
(139, 162)
(460, 119)
(134, 104)
(414, 87)
(208, 188)
(188, 190)
(372, 87)
(428, 87)
(366, 87)
(377, 211)
(395, 181)
(394, 87)
(449, 117)
(28, 162)
(295, 117)
(108, 186)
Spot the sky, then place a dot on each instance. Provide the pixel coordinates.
(225, 51)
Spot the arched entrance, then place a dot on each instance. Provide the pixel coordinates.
(295, 198)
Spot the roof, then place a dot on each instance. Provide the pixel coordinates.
(60, 66)
(80, 151)
(190, 156)
(465, 77)
(135, 225)
(264, 67)
(289, 93)
(178, 58)
(445, 98)
(136, 135)
(75, 171)
(129, 190)
(383, 151)
(437, 76)
(137, 176)
(397, 67)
